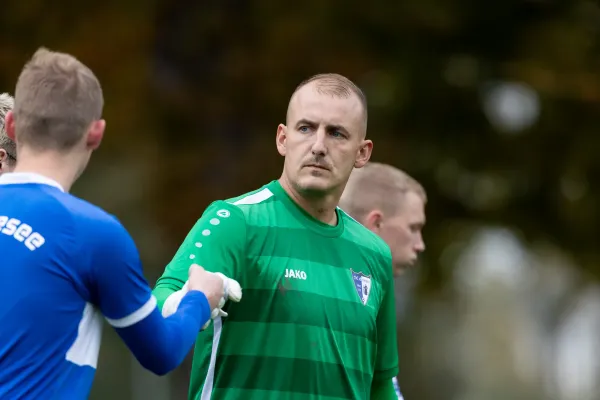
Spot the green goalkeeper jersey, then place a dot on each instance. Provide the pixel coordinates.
(317, 316)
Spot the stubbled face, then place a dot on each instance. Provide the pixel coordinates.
(322, 141)
(402, 232)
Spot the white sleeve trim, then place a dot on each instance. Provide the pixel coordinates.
(135, 316)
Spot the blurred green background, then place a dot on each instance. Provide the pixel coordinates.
(493, 106)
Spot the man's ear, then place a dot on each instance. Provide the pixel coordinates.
(9, 124)
(373, 220)
(3, 160)
(364, 153)
(95, 134)
(281, 139)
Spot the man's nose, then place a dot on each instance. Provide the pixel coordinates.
(420, 245)
(319, 147)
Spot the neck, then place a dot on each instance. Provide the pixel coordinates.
(321, 207)
(52, 165)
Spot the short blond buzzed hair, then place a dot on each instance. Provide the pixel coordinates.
(378, 186)
(56, 99)
(336, 85)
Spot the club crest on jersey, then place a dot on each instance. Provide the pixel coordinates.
(362, 284)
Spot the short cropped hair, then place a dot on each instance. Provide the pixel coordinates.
(6, 104)
(336, 85)
(56, 99)
(378, 186)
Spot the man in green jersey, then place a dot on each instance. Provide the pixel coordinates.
(392, 204)
(317, 318)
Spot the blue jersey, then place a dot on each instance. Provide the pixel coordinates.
(66, 266)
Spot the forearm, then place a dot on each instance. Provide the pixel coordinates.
(161, 344)
(383, 390)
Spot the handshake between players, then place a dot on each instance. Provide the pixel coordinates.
(217, 288)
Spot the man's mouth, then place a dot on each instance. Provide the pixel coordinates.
(318, 166)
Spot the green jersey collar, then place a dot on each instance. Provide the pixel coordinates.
(305, 218)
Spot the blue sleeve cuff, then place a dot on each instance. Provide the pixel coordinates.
(196, 304)
(161, 344)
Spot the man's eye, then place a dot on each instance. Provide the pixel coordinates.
(304, 129)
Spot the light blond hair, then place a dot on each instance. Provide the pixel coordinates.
(6, 104)
(378, 186)
(336, 85)
(56, 99)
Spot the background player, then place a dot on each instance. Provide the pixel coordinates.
(66, 263)
(313, 277)
(392, 204)
(8, 148)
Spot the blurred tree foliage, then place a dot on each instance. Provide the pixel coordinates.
(197, 89)
(194, 92)
(424, 66)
